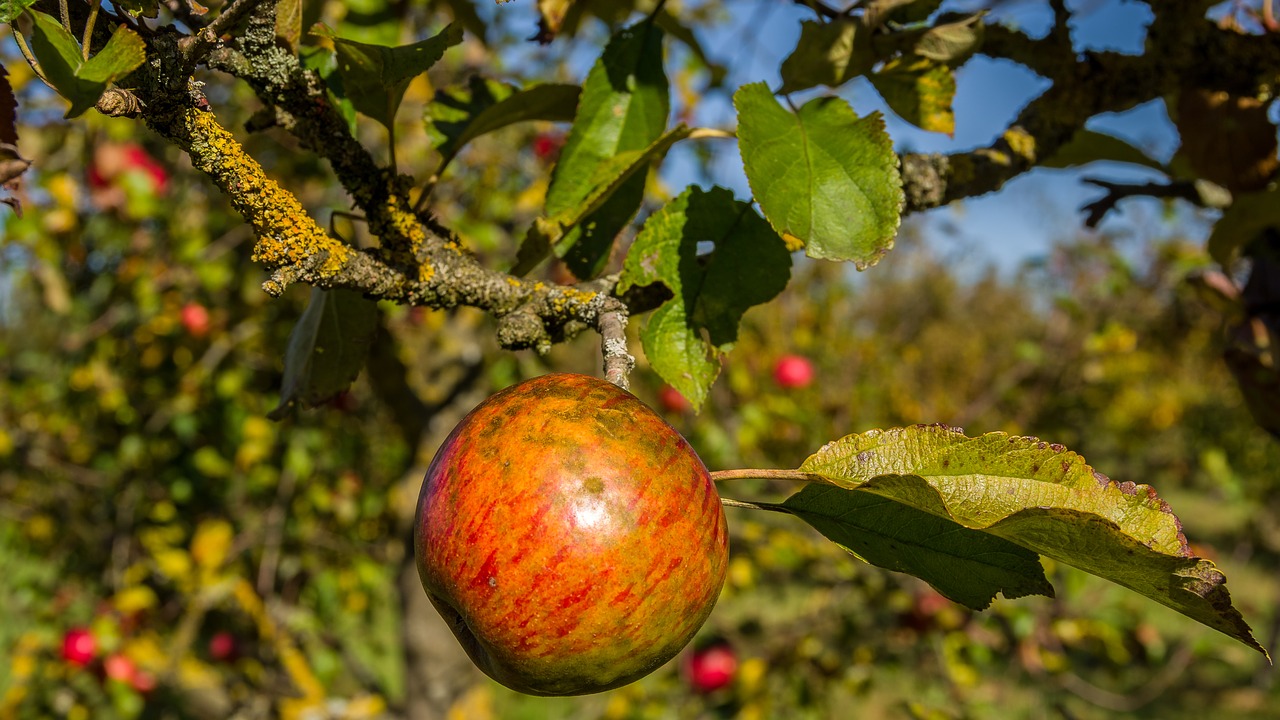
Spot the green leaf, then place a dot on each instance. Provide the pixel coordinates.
(1246, 219)
(327, 348)
(624, 107)
(574, 234)
(967, 566)
(123, 53)
(920, 91)
(952, 43)
(827, 54)
(460, 115)
(821, 175)
(375, 77)
(57, 51)
(76, 80)
(747, 264)
(1087, 146)
(903, 11)
(1043, 498)
(289, 22)
(11, 9)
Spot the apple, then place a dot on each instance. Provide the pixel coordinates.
(546, 146)
(793, 372)
(572, 539)
(672, 401)
(112, 161)
(143, 681)
(344, 402)
(195, 318)
(223, 647)
(138, 160)
(710, 668)
(79, 646)
(118, 667)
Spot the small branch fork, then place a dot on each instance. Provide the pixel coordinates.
(1097, 210)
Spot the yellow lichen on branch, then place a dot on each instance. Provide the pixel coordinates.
(286, 234)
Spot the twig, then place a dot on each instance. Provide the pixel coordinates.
(122, 534)
(1184, 190)
(618, 363)
(790, 475)
(198, 45)
(64, 12)
(1162, 680)
(31, 58)
(821, 8)
(274, 534)
(730, 502)
(88, 29)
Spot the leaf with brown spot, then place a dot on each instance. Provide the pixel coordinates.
(1043, 498)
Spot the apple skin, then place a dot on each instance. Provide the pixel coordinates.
(571, 538)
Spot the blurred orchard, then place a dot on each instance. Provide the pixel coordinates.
(170, 551)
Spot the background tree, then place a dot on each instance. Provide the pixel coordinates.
(223, 563)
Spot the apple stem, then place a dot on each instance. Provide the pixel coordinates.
(730, 502)
(613, 346)
(792, 475)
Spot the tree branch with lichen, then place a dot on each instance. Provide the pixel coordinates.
(417, 262)
(1183, 50)
(294, 248)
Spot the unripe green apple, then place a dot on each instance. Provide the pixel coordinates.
(571, 538)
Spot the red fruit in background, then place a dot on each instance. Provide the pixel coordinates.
(710, 668)
(136, 158)
(571, 538)
(344, 402)
(546, 146)
(79, 646)
(143, 681)
(111, 160)
(195, 318)
(672, 401)
(223, 647)
(119, 667)
(793, 372)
